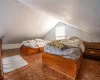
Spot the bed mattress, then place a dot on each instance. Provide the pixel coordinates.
(72, 53)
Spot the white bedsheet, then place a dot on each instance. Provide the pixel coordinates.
(72, 53)
(36, 43)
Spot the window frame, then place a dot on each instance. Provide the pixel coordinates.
(58, 36)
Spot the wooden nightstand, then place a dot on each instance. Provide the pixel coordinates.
(92, 50)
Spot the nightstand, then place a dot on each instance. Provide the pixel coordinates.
(92, 50)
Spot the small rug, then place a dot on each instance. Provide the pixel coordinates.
(13, 63)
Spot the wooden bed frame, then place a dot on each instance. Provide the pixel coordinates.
(65, 66)
(29, 50)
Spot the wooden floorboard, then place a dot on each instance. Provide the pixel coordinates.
(90, 69)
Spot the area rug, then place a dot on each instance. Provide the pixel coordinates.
(12, 63)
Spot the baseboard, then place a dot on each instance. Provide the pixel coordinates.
(11, 46)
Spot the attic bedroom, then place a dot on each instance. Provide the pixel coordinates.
(49, 40)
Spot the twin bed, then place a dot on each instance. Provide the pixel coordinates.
(64, 56)
(66, 66)
(32, 46)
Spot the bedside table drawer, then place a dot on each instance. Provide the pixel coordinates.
(92, 45)
(92, 52)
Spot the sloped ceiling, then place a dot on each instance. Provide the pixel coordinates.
(18, 22)
(83, 14)
(27, 19)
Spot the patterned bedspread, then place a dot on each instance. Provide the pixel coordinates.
(72, 53)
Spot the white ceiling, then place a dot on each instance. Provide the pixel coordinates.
(18, 22)
(83, 14)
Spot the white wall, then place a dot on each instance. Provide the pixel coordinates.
(72, 31)
(11, 46)
(18, 22)
(50, 35)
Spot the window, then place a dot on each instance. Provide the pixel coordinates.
(60, 32)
